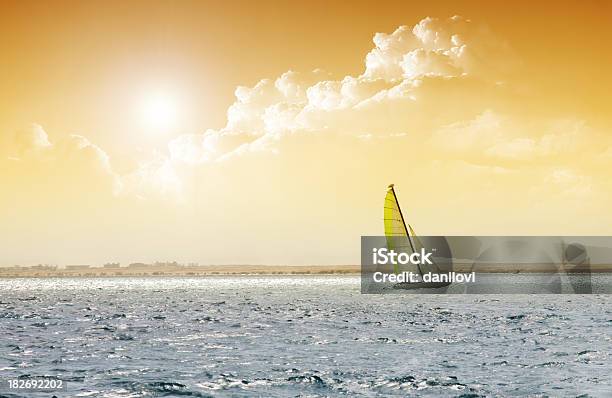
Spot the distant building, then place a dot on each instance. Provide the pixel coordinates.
(112, 265)
(15, 268)
(77, 267)
(138, 265)
(45, 267)
(167, 264)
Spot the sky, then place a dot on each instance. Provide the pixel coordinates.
(229, 133)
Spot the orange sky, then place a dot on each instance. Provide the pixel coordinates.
(523, 114)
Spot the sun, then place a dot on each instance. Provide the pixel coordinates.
(159, 112)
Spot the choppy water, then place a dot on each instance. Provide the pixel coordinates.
(298, 336)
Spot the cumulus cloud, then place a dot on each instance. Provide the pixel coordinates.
(427, 111)
(31, 139)
(422, 62)
(155, 178)
(560, 138)
(68, 169)
(570, 182)
(497, 136)
(480, 132)
(210, 146)
(383, 61)
(248, 112)
(513, 149)
(437, 47)
(32, 145)
(391, 95)
(433, 88)
(435, 85)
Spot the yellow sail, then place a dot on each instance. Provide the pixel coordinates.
(397, 235)
(418, 245)
(400, 235)
(394, 221)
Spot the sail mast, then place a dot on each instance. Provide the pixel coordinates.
(404, 223)
(402, 217)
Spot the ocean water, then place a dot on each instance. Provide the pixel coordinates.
(311, 336)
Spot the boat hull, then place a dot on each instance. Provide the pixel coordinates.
(420, 285)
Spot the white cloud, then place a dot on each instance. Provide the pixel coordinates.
(504, 137)
(480, 132)
(33, 138)
(427, 112)
(392, 83)
(383, 62)
(513, 149)
(70, 162)
(571, 183)
(438, 47)
(157, 178)
(420, 62)
(433, 87)
(472, 48)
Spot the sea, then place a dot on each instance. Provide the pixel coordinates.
(297, 336)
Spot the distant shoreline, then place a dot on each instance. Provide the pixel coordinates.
(220, 270)
(105, 272)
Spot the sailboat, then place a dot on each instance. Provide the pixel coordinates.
(402, 238)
